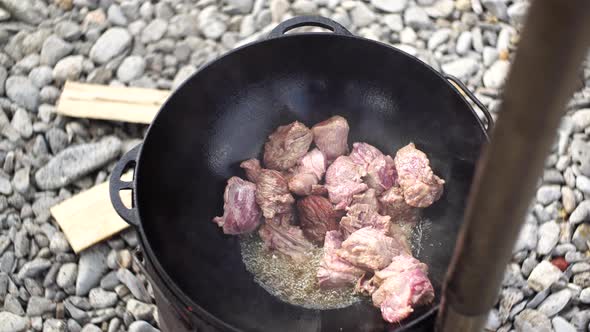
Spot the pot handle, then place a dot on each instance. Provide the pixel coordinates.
(462, 88)
(301, 21)
(116, 185)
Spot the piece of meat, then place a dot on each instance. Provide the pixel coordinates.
(420, 185)
(272, 194)
(369, 197)
(308, 173)
(363, 215)
(333, 271)
(331, 137)
(370, 249)
(286, 146)
(394, 205)
(316, 217)
(380, 169)
(343, 181)
(319, 189)
(278, 234)
(240, 212)
(363, 154)
(252, 168)
(401, 286)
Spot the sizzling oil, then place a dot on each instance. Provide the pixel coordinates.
(296, 283)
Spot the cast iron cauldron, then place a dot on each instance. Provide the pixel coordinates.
(223, 114)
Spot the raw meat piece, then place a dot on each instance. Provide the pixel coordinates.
(272, 194)
(394, 205)
(252, 168)
(421, 187)
(380, 169)
(403, 284)
(363, 215)
(317, 216)
(368, 197)
(286, 146)
(308, 173)
(344, 180)
(287, 239)
(331, 137)
(335, 272)
(370, 249)
(319, 189)
(365, 285)
(240, 212)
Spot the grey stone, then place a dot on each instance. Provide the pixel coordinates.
(90, 328)
(242, 6)
(182, 25)
(135, 285)
(73, 326)
(211, 24)
(3, 76)
(527, 238)
(509, 297)
(112, 43)
(497, 8)
(555, 302)
(140, 310)
(66, 277)
(142, 326)
(417, 18)
(582, 279)
(548, 237)
(92, 267)
(440, 8)
(29, 11)
(21, 243)
(11, 304)
(463, 43)
(68, 30)
(154, 31)
(115, 15)
(585, 296)
(580, 267)
(41, 76)
(131, 68)
(390, 6)
(57, 139)
(493, 322)
(580, 152)
(562, 325)
(5, 186)
(163, 10)
(74, 162)
(543, 275)
(278, 8)
(394, 22)
(68, 68)
(23, 92)
(146, 11)
(54, 325)
(59, 243)
(581, 213)
(496, 75)
(49, 94)
(583, 183)
(438, 38)
(34, 268)
(110, 281)
(38, 306)
(548, 194)
(504, 37)
(572, 257)
(581, 237)
(532, 320)
(517, 12)
(183, 73)
(100, 299)
(408, 36)
(10, 322)
(462, 68)
(568, 199)
(22, 123)
(26, 64)
(54, 48)
(581, 119)
(304, 7)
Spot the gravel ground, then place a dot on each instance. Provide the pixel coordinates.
(46, 158)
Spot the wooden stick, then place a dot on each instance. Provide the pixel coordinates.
(102, 102)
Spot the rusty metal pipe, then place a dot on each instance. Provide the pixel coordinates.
(554, 42)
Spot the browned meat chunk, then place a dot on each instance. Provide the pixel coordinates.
(272, 194)
(317, 216)
(287, 239)
(380, 169)
(286, 146)
(394, 205)
(403, 285)
(331, 137)
(370, 249)
(335, 272)
(240, 212)
(363, 215)
(421, 187)
(343, 181)
(252, 168)
(368, 197)
(309, 172)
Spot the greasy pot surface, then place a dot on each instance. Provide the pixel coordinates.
(223, 115)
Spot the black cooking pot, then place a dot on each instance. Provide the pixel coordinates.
(223, 114)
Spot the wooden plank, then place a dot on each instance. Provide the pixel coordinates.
(88, 217)
(103, 102)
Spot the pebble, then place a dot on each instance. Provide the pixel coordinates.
(68, 30)
(438, 38)
(90, 328)
(131, 68)
(68, 68)
(464, 43)
(183, 73)
(135, 285)
(28, 11)
(74, 162)
(54, 325)
(362, 15)
(497, 8)
(555, 302)
(100, 299)
(532, 320)
(440, 8)
(110, 281)
(548, 237)
(34, 268)
(548, 194)
(417, 18)
(581, 237)
(140, 310)
(182, 25)
(154, 31)
(581, 213)
(543, 275)
(503, 42)
(38, 306)
(66, 277)
(41, 76)
(496, 75)
(527, 238)
(582, 279)
(517, 11)
(23, 92)
(10, 322)
(568, 199)
(142, 326)
(21, 244)
(92, 266)
(304, 7)
(54, 48)
(390, 6)
(11, 304)
(580, 152)
(5, 186)
(59, 243)
(585, 296)
(21, 122)
(462, 68)
(116, 16)
(111, 43)
(211, 24)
